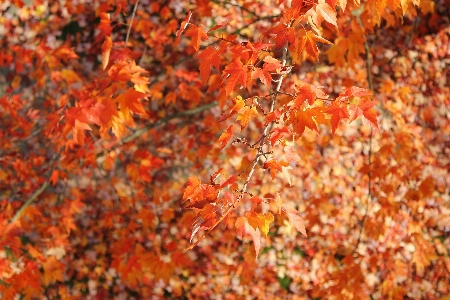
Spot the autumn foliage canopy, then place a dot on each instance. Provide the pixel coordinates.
(289, 149)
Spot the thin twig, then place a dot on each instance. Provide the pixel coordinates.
(164, 120)
(131, 22)
(235, 5)
(369, 188)
(38, 192)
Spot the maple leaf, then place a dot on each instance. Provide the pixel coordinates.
(286, 175)
(278, 202)
(303, 93)
(197, 34)
(220, 26)
(338, 112)
(54, 177)
(245, 115)
(129, 102)
(243, 228)
(235, 73)
(254, 219)
(198, 193)
(104, 27)
(226, 136)
(106, 51)
(263, 75)
(271, 64)
(230, 181)
(208, 57)
(53, 270)
(276, 134)
(283, 34)
(290, 155)
(296, 220)
(184, 24)
(364, 109)
(325, 12)
(274, 165)
(343, 4)
(307, 41)
(353, 91)
(261, 221)
(300, 120)
(273, 116)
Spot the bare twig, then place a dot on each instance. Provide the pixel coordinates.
(131, 21)
(164, 120)
(369, 188)
(38, 192)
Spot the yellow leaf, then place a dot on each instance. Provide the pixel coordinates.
(245, 115)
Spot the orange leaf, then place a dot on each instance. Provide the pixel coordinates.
(276, 134)
(300, 120)
(267, 219)
(106, 51)
(338, 112)
(274, 166)
(54, 177)
(129, 102)
(198, 193)
(226, 136)
(236, 73)
(364, 109)
(184, 24)
(308, 41)
(325, 12)
(197, 34)
(245, 115)
(296, 220)
(243, 228)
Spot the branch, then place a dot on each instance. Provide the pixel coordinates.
(164, 120)
(131, 22)
(37, 193)
(369, 188)
(253, 165)
(236, 5)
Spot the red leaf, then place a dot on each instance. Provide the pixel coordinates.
(338, 111)
(236, 73)
(276, 134)
(184, 24)
(230, 181)
(274, 166)
(197, 34)
(208, 57)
